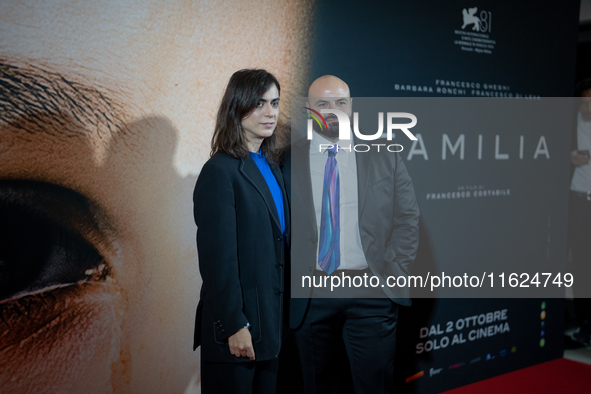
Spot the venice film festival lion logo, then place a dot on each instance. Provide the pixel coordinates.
(482, 23)
(470, 18)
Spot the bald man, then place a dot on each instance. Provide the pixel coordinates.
(368, 229)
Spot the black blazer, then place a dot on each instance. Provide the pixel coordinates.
(388, 219)
(241, 258)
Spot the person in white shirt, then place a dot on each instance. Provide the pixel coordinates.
(580, 212)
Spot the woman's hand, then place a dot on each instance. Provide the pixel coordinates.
(241, 344)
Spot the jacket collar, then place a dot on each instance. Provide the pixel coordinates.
(251, 172)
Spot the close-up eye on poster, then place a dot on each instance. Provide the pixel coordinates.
(295, 196)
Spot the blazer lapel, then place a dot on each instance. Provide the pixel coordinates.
(277, 172)
(302, 183)
(363, 163)
(251, 172)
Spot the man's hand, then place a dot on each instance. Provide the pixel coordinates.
(241, 344)
(578, 159)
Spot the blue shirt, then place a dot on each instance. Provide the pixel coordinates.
(265, 169)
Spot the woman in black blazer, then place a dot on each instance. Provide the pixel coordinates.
(242, 218)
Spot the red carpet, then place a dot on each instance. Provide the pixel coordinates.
(557, 376)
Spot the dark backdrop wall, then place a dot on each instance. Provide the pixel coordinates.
(521, 49)
(583, 69)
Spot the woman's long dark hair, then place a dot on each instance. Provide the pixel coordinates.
(245, 89)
